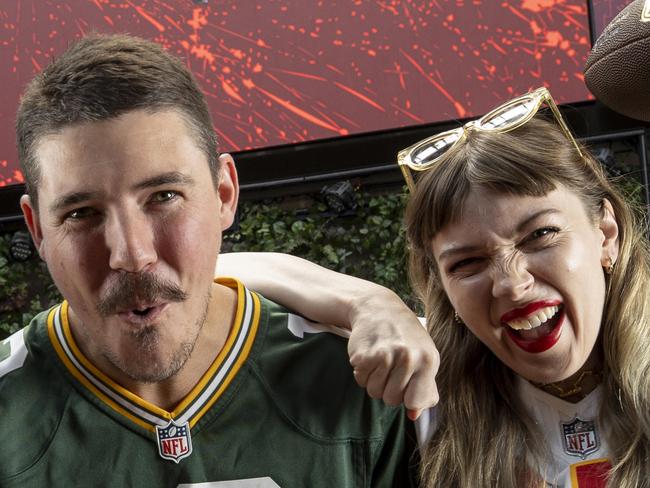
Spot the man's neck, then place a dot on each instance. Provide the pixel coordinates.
(168, 393)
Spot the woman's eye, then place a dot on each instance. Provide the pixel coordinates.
(542, 232)
(464, 265)
(163, 196)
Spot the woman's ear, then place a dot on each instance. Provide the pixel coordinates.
(609, 227)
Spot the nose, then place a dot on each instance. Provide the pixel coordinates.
(131, 242)
(511, 279)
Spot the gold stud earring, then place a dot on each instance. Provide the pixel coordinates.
(457, 318)
(609, 269)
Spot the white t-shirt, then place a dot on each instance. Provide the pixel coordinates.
(577, 443)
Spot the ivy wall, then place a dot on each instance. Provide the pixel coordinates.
(365, 241)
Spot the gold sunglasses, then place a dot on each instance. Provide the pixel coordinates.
(513, 114)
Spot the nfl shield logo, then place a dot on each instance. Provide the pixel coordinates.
(174, 441)
(580, 437)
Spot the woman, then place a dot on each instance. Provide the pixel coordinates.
(534, 274)
(507, 225)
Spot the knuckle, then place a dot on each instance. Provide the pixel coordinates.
(357, 360)
(406, 357)
(381, 358)
(430, 359)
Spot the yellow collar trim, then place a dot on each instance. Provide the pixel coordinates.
(204, 394)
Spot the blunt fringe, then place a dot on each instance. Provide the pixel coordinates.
(104, 76)
(485, 438)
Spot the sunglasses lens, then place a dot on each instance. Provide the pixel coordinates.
(433, 149)
(509, 115)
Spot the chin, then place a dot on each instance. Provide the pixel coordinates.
(148, 370)
(149, 375)
(151, 365)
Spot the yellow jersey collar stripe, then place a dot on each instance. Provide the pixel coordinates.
(213, 383)
(104, 390)
(226, 365)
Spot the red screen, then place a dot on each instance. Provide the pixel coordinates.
(287, 71)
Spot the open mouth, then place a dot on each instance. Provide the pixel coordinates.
(142, 313)
(145, 314)
(537, 331)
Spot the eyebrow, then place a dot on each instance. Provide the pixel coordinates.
(469, 249)
(75, 198)
(169, 178)
(71, 199)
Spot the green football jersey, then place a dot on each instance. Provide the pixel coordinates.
(278, 407)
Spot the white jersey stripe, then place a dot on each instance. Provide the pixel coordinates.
(243, 331)
(17, 353)
(227, 364)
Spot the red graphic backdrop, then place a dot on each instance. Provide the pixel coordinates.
(285, 71)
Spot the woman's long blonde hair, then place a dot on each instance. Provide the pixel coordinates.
(484, 437)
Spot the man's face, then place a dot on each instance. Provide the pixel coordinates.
(129, 223)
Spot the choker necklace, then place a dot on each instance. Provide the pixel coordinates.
(584, 384)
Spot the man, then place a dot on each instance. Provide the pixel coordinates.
(151, 373)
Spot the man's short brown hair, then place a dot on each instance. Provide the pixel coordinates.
(101, 77)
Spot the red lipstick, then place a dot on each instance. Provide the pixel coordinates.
(527, 310)
(541, 343)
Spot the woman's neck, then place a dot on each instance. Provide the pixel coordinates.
(581, 383)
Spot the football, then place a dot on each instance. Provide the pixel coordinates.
(618, 67)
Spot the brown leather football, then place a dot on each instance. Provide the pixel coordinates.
(618, 67)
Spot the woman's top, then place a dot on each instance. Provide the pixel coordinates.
(577, 443)
(579, 453)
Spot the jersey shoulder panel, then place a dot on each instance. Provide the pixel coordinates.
(33, 396)
(305, 369)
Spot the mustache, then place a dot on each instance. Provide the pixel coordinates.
(129, 289)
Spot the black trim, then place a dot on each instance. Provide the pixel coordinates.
(592, 22)
(305, 168)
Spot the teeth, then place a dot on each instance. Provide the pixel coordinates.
(534, 320)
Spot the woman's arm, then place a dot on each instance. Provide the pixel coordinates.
(392, 354)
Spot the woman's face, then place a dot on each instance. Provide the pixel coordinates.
(525, 275)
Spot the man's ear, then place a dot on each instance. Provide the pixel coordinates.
(609, 227)
(228, 190)
(33, 223)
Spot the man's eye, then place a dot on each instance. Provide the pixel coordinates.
(163, 196)
(80, 213)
